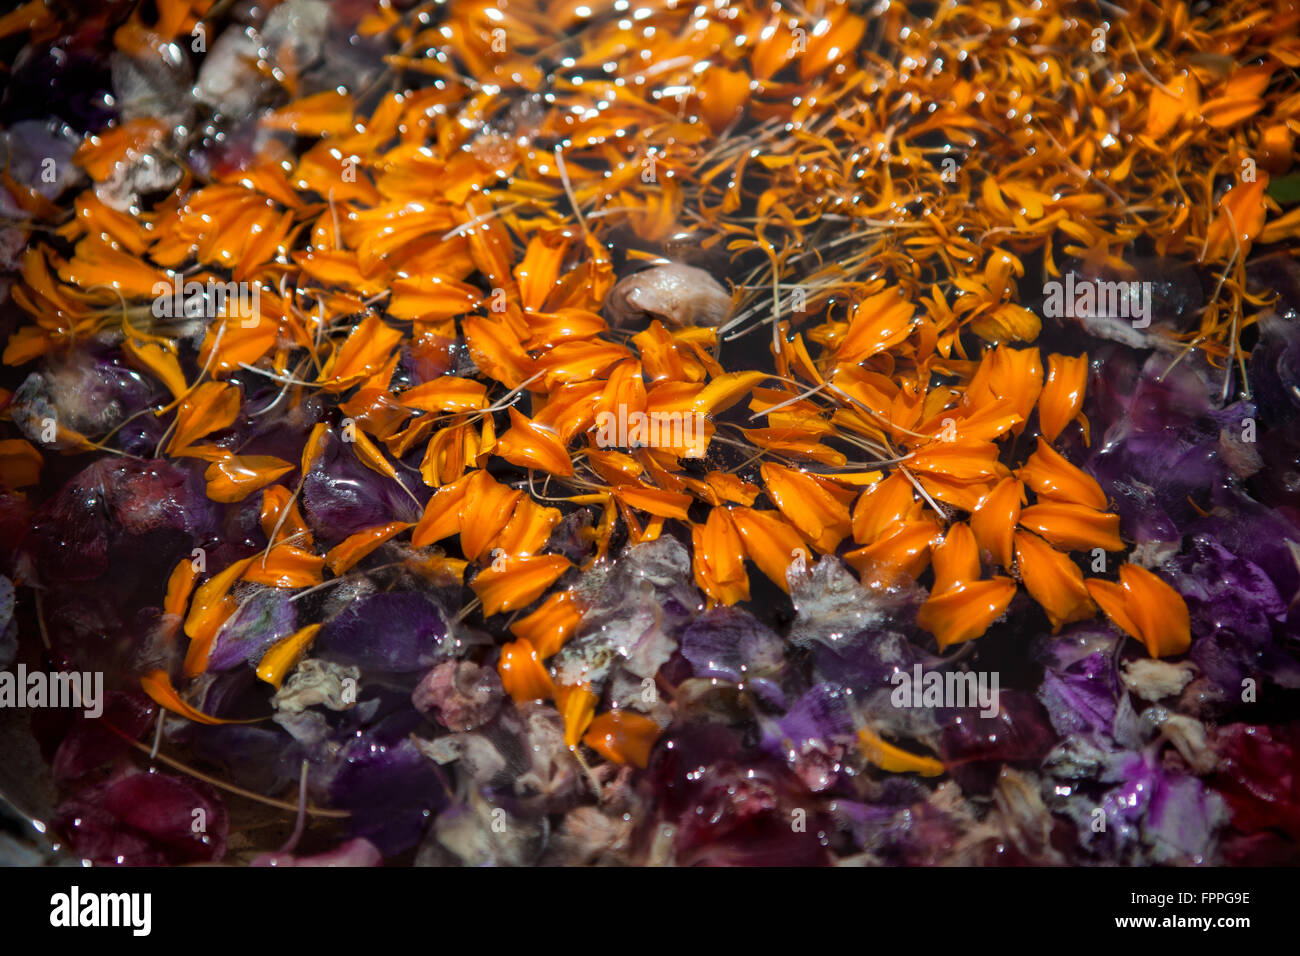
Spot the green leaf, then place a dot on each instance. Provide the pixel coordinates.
(1285, 189)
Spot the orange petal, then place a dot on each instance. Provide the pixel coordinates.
(724, 391)
(314, 445)
(1159, 611)
(275, 499)
(374, 411)
(728, 487)
(210, 407)
(571, 409)
(1147, 608)
(1062, 395)
(966, 611)
(448, 454)
(368, 454)
(528, 529)
(538, 270)
(877, 323)
(158, 360)
(581, 361)
(577, 705)
(159, 686)
(235, 477)
(449, 393)
(366, 350)
(1240, 217)
(431, 297)
(808, 506)
(983, 424)
(322, 114)
(497, 352)
(995, 518)
(905, 549)
(956, 559)
(179, 586)
(1073, 527)
(1165, 109)
(28, 17)
(530, 445)
(355, 547)
(20, 463)
(484, 512)
(623, 737)
(1053, 580)
(893, 759)
(1015, 375)
(286, 567)
(963, 460)
(284, 655)
(655, 501)
(1051, 476)
(211, 606)
(1116, 601)
(522, 673)
(723, 94)
(624, 391)
(770, 543)
(512, 583)
(962, 495)
(550, 625)
(719, 558)
(441, 518)
(660, 356)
